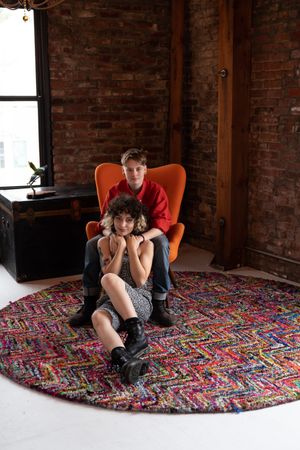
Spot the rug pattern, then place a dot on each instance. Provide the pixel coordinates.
(236, 347)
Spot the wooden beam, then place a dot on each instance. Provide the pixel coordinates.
(176, 80)
(233, 130)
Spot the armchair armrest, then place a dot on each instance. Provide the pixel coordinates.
(91, 229)
(174, 236)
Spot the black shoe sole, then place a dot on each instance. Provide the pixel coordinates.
(132, 370)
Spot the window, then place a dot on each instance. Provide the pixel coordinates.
(24, 98)
(2, 161)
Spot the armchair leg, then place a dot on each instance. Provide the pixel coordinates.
(172, 278)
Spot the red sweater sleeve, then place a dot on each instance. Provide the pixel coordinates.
(155, 198)
(160, 217)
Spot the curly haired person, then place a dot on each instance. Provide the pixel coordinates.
(126, 302)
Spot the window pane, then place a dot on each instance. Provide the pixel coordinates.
(17, 74)
(2, 162)
(19, 142)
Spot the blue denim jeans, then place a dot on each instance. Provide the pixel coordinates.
(160, 268)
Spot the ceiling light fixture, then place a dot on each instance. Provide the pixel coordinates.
(29, 4)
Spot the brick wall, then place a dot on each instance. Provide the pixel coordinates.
(109, 67)
(200, 120)
(109, 75)
(274, 159)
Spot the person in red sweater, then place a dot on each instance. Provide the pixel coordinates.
(154, 197)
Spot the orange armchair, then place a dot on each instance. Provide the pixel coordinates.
(171, 177)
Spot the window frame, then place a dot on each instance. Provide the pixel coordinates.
(42, 98)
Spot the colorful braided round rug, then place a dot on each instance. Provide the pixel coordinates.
(235, 347)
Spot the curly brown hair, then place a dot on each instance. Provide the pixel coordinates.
(128, 204)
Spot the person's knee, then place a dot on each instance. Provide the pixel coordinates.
(100, 319)
(108, 280)
(161, 242)
(96, 318)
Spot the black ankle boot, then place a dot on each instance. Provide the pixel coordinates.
(136, 341)
(160, 315)
(84, 314)
(129, 367)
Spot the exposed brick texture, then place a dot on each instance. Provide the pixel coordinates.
(274, 158)
(109, 74)
(200, 120)
(109, 69)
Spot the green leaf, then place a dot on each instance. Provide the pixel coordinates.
(32, 166)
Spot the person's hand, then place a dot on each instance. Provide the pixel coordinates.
(117, 242)
(133, 242)
(140, 238)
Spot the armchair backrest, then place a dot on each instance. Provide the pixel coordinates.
(172, 177)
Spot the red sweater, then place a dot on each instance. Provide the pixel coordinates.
(151, 195)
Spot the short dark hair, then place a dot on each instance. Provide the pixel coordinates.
(137, 154)
(128, 204)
